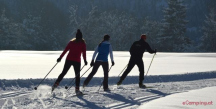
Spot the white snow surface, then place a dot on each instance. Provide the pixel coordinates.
(36, 64)
(124, 96)
(196, 99)
(176, 78)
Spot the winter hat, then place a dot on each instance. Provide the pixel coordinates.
(79, 34)
(106, 37)
(143, 36)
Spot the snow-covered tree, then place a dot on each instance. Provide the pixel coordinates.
(11, 33)
(174, 27)
(121, 26)
(153, 31)
(33, 32)
(209, 35)
(4, 23)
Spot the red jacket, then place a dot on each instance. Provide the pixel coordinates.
(75, 50)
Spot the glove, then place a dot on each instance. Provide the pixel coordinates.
(59, 59)
(113, 63)
(92, 63)
(86, 63)
(155, 51)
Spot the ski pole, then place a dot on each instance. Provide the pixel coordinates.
(123, 70)
(66, 87)
(103, 80)
(45, 76)
(80, 77)
(150, 64)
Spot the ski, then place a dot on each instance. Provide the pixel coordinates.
(149, 87)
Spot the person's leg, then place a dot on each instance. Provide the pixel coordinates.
(76, 66)
(105, 66)
(130, 66)
(140, 65)
(94, 70)
(67, 66)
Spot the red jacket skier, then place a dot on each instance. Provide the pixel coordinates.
(76, 47)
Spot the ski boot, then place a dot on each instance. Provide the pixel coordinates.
(84, 85)
(119, 82)
(107, 90)
(56, 84)
(141, 85)
(77, 91)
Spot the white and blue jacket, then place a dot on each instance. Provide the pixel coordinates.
(103, 51)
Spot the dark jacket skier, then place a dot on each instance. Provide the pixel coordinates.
(136, 51)
(76, 47)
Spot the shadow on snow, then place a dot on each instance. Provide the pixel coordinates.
(30, 83)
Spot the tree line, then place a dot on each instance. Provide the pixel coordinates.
(47, 28)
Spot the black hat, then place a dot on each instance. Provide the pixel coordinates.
(106, 37)
(79, 34)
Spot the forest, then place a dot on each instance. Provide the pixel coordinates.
(170, 25)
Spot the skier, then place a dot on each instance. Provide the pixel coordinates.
(103, 50)
(136, 52)
(75, 47)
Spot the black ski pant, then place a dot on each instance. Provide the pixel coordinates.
(67, 66)
(132, 62)
(97, 64)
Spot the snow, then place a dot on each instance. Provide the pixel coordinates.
(36, 64)
(195, 99)
(176, 78)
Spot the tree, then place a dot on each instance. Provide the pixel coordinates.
(4, 23)
(153, 31)
(121, 26)
(11, 33)
(209, 32)
(174, 27)
(33, 32)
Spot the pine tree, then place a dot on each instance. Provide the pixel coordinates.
(121, 26)
(33, 32)
(209, 30)
(174, 27)
(11, 33)
(4, 23)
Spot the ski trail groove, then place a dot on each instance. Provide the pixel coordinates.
(13, 94)
(4, 104)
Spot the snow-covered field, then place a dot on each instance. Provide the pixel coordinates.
(180, 80)
(36, 64)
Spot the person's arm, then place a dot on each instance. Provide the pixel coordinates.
(132, 51)
(65, 50)
(148, 48)
(111, 53)
(95, 53)
(84, 51)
